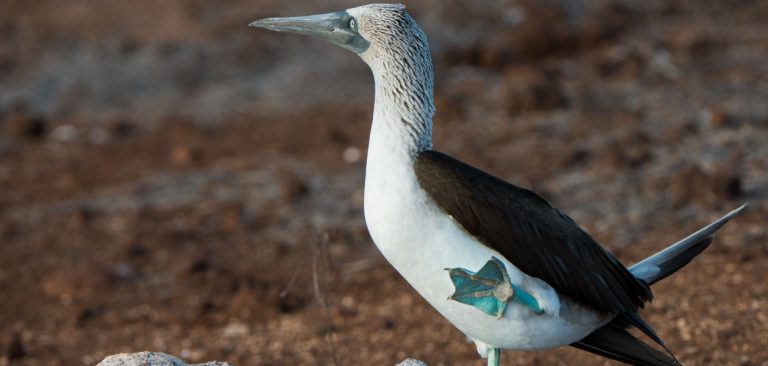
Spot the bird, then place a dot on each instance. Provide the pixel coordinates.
(499, 262)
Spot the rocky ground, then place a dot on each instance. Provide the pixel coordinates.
(171, 180)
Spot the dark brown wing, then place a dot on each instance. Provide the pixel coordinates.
(537, 238)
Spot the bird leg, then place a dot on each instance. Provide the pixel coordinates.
(494, 355)
(490, 289)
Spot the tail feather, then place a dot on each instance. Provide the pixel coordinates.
(628, 319)
(666, 262)
(612, 340)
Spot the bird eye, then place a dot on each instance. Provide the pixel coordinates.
(352, 24)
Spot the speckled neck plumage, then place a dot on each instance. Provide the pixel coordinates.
(404, 89)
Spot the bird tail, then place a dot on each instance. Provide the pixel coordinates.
(666, 262)
(613, 340)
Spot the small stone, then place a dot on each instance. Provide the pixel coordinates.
(141, 359)
(412, 362)
(234, 330)
(352, 155)
(150, 359)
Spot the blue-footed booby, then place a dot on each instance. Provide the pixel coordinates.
(499, 262)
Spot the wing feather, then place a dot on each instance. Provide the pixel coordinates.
(536, 237)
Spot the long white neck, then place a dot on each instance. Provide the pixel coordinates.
(402, 115)
(402, 128)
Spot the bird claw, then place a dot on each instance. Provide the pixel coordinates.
(489, 290)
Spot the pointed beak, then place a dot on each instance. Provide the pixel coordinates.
(333, 27)
(321, 25)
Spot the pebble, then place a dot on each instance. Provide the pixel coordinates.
(412, 362)
(150, 359)
(352, 155)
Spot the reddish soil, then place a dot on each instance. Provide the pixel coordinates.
(171, 180)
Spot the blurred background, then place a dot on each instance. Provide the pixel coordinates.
(172, 180)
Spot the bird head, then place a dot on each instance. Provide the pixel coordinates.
(374, 32)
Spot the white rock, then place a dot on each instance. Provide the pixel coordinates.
(412, 362)
(150, 359)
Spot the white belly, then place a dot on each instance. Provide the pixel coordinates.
(421, 241)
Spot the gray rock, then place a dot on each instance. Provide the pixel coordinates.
(412, 362)
(150, 359)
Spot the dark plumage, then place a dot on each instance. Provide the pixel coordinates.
(613, 341)
(536, 237)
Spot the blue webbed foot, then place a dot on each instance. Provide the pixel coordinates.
(490, 289)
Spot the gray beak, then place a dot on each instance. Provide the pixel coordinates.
(338, 28)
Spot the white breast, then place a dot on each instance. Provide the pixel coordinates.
(420, 241)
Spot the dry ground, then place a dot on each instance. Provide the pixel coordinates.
(171, 180)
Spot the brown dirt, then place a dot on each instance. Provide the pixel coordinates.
(173, 181)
